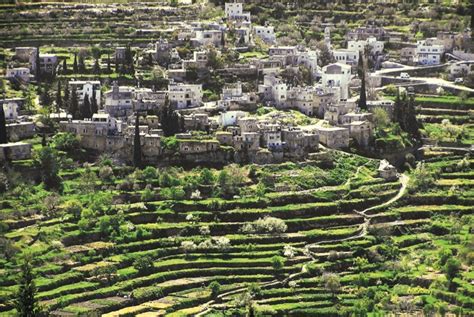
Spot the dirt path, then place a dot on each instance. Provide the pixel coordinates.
(403, 179)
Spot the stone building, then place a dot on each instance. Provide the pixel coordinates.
(196, 121)
(20, 130)
(337, 75)
(118, 101)
(87, 87)
(15, 151)
(334, 137)
(185, 95)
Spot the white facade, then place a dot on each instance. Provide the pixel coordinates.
(429, 52)
(266, 33)
(185, 95)
(337, 75)
(118, 101)
(346, 56)
(208, 37)
(84, 87)
(235, 11)
(11, 110)
(230, 117)
(274, 90)
(22, 73)
(376, 47)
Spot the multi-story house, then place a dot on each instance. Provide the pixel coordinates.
(337, 75)
(87, 87)
(347, 56)
(375, 47)
(429, 52)
(20, 73)
(235, 11)
(266, 33)
(185, 95)
(118, 101)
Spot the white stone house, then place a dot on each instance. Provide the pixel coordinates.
(376, 47)
(228, 118)
(346, 56)
(266, 33)
(235, 11)
(118, 101)
(337, 75)
(88, 87)
(185, 95)
(207, 37)
(21, 73)
(273, 90)
(429, 52)
(11, 110)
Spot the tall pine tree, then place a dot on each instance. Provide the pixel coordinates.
(59, 99)
(26, 303)
(137, 148)
(86, 107)
(169, 119)
(74, 104)
(66, 95)
(362, 104)
(3, 126)
(65, 66)
(37, 65)
(75, 68)
(94, 106)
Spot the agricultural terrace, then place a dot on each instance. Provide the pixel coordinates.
(309, 238)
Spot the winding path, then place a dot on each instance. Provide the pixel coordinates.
(403, 179)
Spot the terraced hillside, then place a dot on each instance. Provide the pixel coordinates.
(324, 237)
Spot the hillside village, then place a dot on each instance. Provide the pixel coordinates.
(236, 158)
(225, 128)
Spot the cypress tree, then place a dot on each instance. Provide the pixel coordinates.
(3, 127)
(45, 97)
(59, 99)
(137, 149)
(109, 69)
(169, 119)
(94, 107)
(75, 68)
(362, 104)
(74, 105)
(37, 65)
(65, 66)
(96, 67)
(86, 107)
(66, 95)
(82, 64)
(26, 303)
